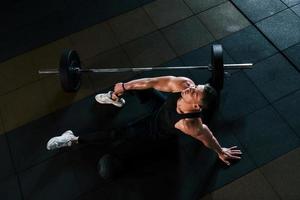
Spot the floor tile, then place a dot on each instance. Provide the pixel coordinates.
(44, 31)
(6, 167)
(93, 13)
(174, 62)
(202, 56)
(1, 124)
(187, 35)
(283, 175)
(275, 77)
(291, 2)
(160, 172)
(174, 72)
(17, 72)
(22, 39)
(166, 12)
(57, 98)
(293, 54)
(206, 197)
(84, 161)
(47, 180)
(279, 27)
(296, 9)
(288, 107)
(94, 194)
(39, 23)
(262, 133)
(115, 58)
(131, 25)
(108, 9)
(142, 2)
(239, 97)
(6, 84)
(251, 186)
(14, 42)
(257, 10)
(199, 6)
(223, 20)
(223, 174)
(247, 45)
(24, 13)
(28, 142)
(9, 189)
(179, 72)
(48, 56)
(149, 50)
(197, 165)
(33, 106)
(93, 40)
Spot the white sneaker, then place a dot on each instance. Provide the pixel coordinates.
(65, 140)
(105, 98)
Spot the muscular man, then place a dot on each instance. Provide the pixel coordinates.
(179, 113)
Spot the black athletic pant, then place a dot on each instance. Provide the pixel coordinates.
(142, 130)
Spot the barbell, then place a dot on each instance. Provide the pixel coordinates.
(70, 69)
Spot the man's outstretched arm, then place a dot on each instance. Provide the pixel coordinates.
(201, 132)
(161, 83)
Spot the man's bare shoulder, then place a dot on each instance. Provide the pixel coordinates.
(171, 83)
(192, 122)
(190, 126)
(174, 78)
(180, 83)
(183, 79)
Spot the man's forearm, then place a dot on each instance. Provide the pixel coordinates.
(139, 84)
(209, 140)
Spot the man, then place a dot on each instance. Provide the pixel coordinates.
(180, 113)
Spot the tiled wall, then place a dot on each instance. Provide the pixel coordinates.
(140, 37)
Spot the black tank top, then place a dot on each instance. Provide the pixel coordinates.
(167, 116)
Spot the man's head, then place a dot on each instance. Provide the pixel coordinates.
(209, 96)
(201, 96)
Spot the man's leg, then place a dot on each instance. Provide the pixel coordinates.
(144, 96)
(150, 96)
(136, 130)
(68, 139)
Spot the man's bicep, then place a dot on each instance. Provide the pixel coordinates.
(171, 83)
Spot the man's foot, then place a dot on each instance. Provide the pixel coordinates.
(106, 98)
(65, 140)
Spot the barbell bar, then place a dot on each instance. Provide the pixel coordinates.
(70, 69)
(138, 69)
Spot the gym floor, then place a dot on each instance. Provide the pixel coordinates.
(258, 110)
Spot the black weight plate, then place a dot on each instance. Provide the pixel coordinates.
(217, 67)
(70, 78)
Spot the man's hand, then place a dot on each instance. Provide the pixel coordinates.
(230, 154)
(118, 91)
